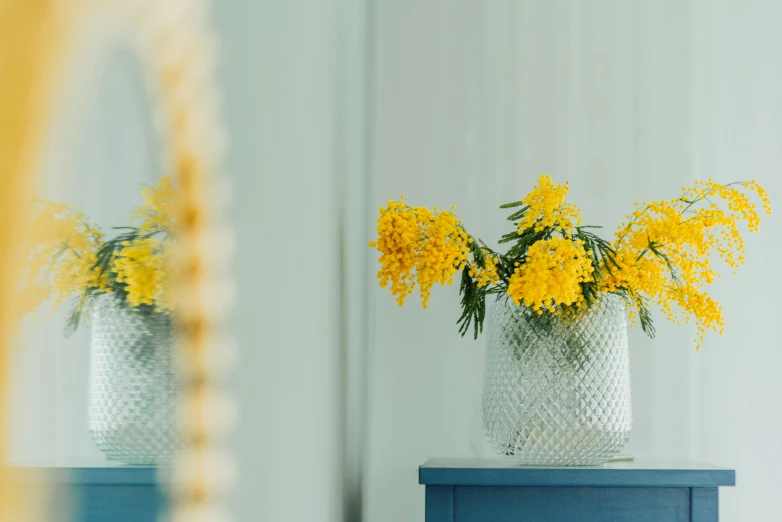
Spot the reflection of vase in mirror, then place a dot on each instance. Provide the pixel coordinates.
(133, 389)
(100, 148)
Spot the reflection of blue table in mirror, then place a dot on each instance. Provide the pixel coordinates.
(115, 494)
(121, 494)
(473, 490)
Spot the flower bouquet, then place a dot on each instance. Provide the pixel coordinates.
(121, 284)
(69, 258)
(557, 378)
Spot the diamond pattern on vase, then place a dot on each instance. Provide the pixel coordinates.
(133, 386)
(557, 388)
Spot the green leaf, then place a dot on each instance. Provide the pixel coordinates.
(473, 305)
(512, 205)
(518, 214)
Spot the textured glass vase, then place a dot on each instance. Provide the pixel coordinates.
(133, 387)
(557, 389)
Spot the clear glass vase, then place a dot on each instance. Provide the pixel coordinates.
(557, 387)
(133, 386)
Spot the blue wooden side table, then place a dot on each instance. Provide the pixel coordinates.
(473, 490)
(85, 494)
(115, 494)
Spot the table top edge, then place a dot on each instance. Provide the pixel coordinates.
(642, 473)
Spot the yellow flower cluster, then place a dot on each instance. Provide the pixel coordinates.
(141, 265)
(487, 275)
(662, 254)
(419, 246)
(157, 211)
(664, 249)
(63, 248)
(547, 208)
(551, 274)
(61, 252)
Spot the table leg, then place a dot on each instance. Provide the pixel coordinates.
(439, 504)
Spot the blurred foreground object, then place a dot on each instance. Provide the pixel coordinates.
(32, 31)
(177, 47)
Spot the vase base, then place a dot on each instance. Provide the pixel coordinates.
(599, 448)
(134, 449)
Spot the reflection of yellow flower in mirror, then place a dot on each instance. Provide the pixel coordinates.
(68, 258)
(62, 246)
(157, 211)
(141, 265)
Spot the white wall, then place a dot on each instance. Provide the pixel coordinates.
(628, 101)
(739, 132)
(281, 82)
